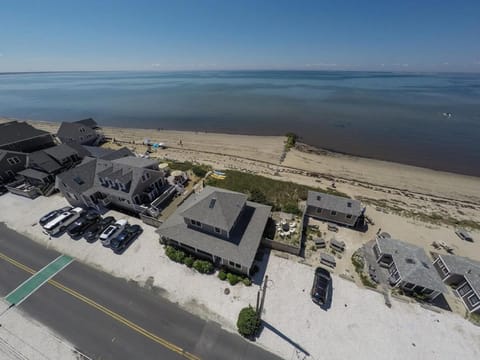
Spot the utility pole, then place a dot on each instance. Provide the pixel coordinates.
(263, 292)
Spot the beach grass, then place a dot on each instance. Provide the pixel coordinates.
(281, 195)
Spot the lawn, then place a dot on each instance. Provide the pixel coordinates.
(281, 195)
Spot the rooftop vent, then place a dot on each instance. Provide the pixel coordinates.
(319, 197)
(212, 203)
(78, 180)
(349, 204)
(410, 261)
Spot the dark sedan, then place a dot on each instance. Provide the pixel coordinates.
(125, 238)
(93, 231)
(52, 214)
(77, 228)
(321, 286)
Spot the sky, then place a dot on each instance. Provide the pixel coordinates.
(389, 35)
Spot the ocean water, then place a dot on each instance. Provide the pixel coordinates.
(391, 116)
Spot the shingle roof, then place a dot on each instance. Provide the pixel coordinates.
(61, 152)
(88, 122)
(333, 202)
(117, 154)
(136, 162)
(81, 177)
(216, 207)
(469, 268)
(34, 174)
(14, 131)
(244, 239)
(41, 159)
(412, 263)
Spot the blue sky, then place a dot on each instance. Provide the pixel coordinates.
(421, 35)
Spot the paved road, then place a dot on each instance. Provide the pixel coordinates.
(110, 318)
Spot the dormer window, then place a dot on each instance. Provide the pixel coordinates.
(82, 130)
(217, 230)
(145, 176)
(196, 223)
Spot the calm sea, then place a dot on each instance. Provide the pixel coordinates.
(392, 116)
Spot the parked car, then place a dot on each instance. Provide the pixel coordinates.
(321, 286)
(92, 232)
(60, 223)
(52, 215)
(77, 228)
(463, 234)
(113, 230)
(125, 238)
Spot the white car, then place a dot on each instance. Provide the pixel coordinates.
(60, 222)
(113, 230)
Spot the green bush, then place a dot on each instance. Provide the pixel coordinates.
(199, 170)
(248, 322)
(292, 209)
(188, 261)
(247, 282)
(233, 279)
(174, 254)
(222, 275)
(203, 266)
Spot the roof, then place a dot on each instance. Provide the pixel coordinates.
(3, 153)
(469, 268)
(88, 122)
(42, 160)
(412, 263)
(14, 131)
(61, 152)
(244, 239)
(216, 207)
(34, 174)
(136, 162)
(117, 154)
(333, 202)
(77, 132)
(81, 177)
(337, 243)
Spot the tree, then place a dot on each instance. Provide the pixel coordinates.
(248, 322)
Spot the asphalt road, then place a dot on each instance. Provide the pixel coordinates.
(110, 318)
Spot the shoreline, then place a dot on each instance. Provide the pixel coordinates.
(262, 155)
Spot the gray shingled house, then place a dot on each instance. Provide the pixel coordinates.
(22, 137)
(84, 132)
(126, 183)
(218, 225)
(408, 266)
(16, 140)
(464, 275)
(334, 208)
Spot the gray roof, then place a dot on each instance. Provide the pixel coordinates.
(4, 153)
(412, 263)
(136, 162)
(80, 177)
(34, 174)
(42, 160)
(333, 202)
(70, 132)
(14, 131)
(61, 152)
(244, 239)
(117, 154)
(216, 207)
(88, 122)
(469, 268)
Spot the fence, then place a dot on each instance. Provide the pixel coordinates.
(276, 245)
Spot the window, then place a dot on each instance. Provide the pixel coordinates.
(145, 176)
(196, 223)
(238, 266)
(13, 160)
(442, 267)
(10, 173)
(217, 230)
(81, 138)
(319, 197)
(349, 216)
(473, 300)
(409, 286)
(231, 263)
(319, 210)
(464, 289)
(78, 180)
(349, 204)
(333, 213)
(82, 130)
(428, 291)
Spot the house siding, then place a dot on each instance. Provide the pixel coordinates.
(325, 214)
(6, 167)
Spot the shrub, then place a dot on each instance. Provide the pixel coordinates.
(203, 266)
(248, 322)
(258, 196)
(188, 261)
(233, 279)
(292, 209)
(247, 282)
(222, 275)
(199, 170)
(174, 254)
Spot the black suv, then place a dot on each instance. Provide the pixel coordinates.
(93, 231)
(78, 227)
(321, 286)
(125, 238)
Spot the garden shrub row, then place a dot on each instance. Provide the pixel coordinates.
(233, 279)
(179, 256)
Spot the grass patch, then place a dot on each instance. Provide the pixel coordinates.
(198, 170)
(432, 218)
(281, 195)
